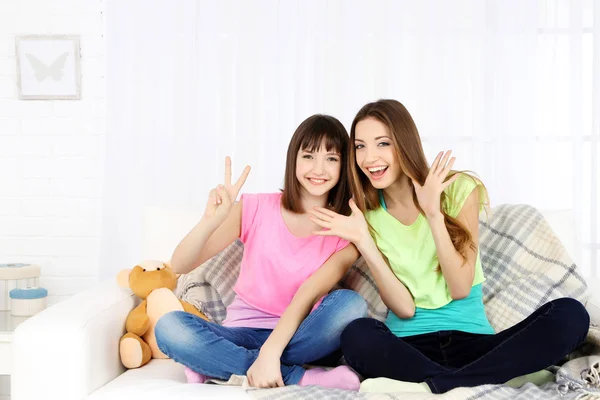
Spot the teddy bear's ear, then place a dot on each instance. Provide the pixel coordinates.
(123, 278)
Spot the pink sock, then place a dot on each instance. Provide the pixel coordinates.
(341, 377)
(194, 377)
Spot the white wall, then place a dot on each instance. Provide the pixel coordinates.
(511, 88)
(52, 152)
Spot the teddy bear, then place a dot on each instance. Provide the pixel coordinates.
(153, 282)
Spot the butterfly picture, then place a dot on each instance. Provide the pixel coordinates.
(48, 67)
(54, 70)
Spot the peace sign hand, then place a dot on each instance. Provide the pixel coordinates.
(223, 196)
(429, 194)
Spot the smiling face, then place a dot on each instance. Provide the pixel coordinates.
(316, 165)
(318, 171)
(375, 153)
(386, 150)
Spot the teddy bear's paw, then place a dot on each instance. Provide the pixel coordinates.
(134, 351)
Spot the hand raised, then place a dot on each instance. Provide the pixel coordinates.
(429, 194)
(234, 189)
(223, 196)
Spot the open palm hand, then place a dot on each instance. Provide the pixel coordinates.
(429, 194)
(353, 228)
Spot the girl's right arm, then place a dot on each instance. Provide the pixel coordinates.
(219, 227)
(392, 291)
(355, 229)
(205, 240)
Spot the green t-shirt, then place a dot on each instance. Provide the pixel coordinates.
(412, 255)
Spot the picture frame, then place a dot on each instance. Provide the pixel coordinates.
(48, 67)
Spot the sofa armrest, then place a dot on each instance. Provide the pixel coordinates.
(593, 304)
(72, 348)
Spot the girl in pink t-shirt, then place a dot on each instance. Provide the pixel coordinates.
(282, 316)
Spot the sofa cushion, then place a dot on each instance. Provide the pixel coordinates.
(161, 380)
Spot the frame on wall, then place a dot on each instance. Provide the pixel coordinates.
(48, 67)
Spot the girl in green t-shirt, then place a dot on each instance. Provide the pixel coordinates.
(424, 220)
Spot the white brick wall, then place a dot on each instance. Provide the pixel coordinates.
(52, 152)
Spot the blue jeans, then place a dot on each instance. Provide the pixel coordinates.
(449, 359)
(219, 352)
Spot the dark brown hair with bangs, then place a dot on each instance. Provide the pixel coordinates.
(310, 135)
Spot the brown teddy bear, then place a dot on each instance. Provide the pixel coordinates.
(153, 282)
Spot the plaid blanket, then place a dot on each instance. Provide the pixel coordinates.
(525, 265)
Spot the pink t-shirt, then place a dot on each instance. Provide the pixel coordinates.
(275, 262)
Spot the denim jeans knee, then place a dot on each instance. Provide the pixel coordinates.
(346, 306)
(354, 304)
(172, 331)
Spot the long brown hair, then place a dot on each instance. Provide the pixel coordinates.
(309, 135)
(413, 163)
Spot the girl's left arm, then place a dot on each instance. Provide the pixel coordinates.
(318, 285)
(458, 271)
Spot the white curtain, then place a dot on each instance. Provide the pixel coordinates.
(511, 86)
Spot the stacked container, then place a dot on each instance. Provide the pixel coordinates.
(16, 276)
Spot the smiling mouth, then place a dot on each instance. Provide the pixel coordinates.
(377, 172)
(316, 181)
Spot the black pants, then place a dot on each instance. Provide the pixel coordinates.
(449, 359)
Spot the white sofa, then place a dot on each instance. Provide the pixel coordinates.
(70, 350)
